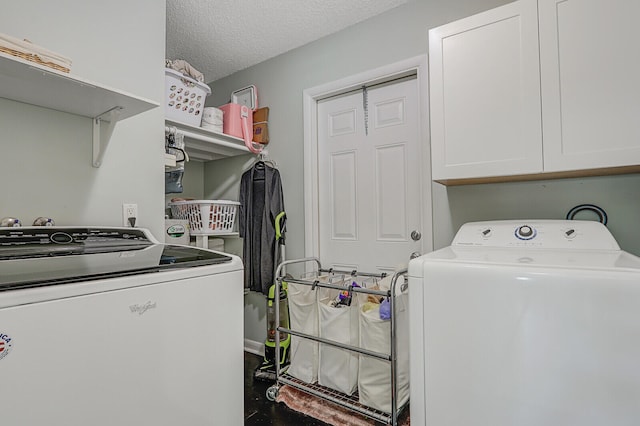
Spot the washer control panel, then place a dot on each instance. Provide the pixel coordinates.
(567, 234)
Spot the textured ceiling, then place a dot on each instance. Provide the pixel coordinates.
(220, 37)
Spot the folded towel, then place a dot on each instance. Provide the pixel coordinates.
(185, 68)
(28, 48)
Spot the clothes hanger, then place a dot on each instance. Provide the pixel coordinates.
(263, 157)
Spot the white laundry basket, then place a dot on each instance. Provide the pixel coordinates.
(206, 217)
(184, 98)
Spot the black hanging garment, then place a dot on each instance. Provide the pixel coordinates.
(261, 200)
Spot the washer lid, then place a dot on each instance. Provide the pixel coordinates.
(37, 257)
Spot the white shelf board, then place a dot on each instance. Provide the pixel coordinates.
(202, 241)
(206, 145)
(33, 84)
(30, 83)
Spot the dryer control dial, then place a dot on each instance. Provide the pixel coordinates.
(525, 232)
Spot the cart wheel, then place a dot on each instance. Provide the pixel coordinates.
(272, 393)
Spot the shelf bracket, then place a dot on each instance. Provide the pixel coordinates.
(103, 126)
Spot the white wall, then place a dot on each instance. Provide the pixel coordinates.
(46, 168)
(548, 199)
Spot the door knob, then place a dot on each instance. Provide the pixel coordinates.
(415, 235)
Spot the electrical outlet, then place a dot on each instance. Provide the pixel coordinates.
(129, 211)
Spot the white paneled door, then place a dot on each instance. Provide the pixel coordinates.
(369, 177)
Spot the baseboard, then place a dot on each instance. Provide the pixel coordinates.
(254, 347)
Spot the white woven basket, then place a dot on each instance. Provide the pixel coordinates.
(206, 217)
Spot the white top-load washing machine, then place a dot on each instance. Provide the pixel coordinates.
(526, 323)
(105, 326)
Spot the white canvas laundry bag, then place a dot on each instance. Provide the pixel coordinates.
(338, 368)
(374, 377)
(303, 317)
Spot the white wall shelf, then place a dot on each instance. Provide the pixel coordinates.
(206, 145)
(202, 241)
(30, 83)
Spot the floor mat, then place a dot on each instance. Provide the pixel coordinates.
(326, 411)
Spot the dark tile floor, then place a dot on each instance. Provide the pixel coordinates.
(258, 410)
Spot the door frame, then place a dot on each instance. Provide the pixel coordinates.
(416, 65)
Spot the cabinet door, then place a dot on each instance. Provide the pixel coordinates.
(590, 74)
(485, 94)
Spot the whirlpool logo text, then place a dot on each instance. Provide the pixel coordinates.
(5, 345)
(141, 309)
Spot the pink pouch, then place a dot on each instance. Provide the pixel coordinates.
(238, 121)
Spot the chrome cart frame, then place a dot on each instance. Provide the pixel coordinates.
(336, 397)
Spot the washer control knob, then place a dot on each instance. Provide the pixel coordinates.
(570, 233)
(525, 232)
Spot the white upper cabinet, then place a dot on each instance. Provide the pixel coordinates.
(485, 94)
(590, 74)
(504, 107)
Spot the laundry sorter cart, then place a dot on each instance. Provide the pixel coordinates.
(389, 359)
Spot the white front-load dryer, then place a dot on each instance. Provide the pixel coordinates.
(526, 323)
